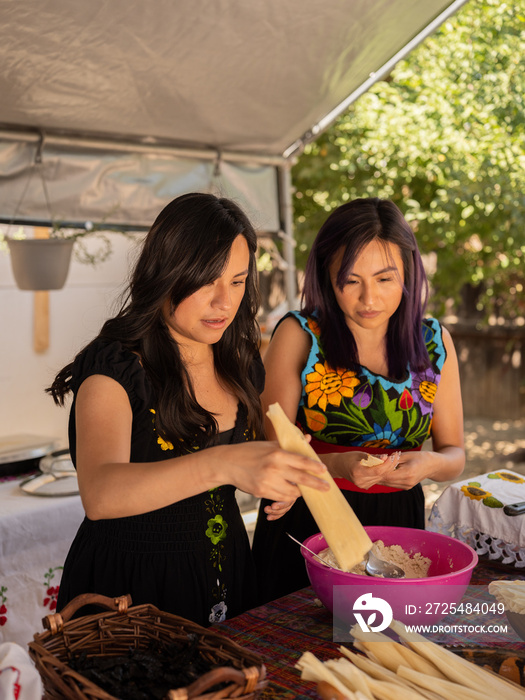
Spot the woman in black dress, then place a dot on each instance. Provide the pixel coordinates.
(166, 422)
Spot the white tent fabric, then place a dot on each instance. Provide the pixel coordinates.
(80, 180)
(130, 102)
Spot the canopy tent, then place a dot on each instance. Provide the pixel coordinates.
(111, 108)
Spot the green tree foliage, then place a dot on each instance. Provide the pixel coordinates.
(444, 137)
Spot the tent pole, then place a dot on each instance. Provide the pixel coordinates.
(78, 142)
(297, 147)
(286, 233)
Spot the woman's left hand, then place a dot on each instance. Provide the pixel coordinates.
(277, 509)
(446, 460)
(412, 468)
(416, 466)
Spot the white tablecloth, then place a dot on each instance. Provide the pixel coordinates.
(472, 511)
(35, 535)
(19, 679)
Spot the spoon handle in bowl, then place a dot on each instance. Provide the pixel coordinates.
(308, 550)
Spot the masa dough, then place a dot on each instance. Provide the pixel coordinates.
(371, 461)
(414, 566)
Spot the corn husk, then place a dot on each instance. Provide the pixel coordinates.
(334, 516)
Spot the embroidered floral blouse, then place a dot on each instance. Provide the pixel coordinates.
(364, 409)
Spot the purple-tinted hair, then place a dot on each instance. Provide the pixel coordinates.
(352, 226)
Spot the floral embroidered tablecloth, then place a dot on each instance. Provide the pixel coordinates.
(472, 511)
(35, 535)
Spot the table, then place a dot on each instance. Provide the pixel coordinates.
(35, 535)
(281, 631)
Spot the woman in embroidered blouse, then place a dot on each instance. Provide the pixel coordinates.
(362, 371)
(166, 422)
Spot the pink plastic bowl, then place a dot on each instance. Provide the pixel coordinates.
(413, 601)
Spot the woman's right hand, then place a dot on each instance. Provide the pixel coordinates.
(113, 487)
(266, 471)
(347, 465)
(277, 509)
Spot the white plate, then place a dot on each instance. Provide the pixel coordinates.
(49, 485)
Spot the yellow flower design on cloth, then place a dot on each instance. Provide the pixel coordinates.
(428, 391)
(475, 492)
(326, 385)
(164, 444)
(507, 477)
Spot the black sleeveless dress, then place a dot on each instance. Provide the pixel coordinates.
(191, 558)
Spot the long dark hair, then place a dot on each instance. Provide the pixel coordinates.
(187, 247)
(351, 227)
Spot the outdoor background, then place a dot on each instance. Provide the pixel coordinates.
(444, 137)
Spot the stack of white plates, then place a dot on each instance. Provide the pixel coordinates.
(57, 476)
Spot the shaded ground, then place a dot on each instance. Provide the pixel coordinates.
(489, 445)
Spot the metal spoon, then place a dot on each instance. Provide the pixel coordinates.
(373, 567)
(384, 569)
(308, 550)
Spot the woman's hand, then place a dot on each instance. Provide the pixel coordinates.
(446, 460)
(347, 465)
(414, 467)
(113, 487)
(266, 471)
(277, 509)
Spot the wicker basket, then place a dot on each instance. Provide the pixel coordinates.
(240, 673)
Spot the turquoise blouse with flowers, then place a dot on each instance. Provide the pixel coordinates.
(364, 409)
(345, 410)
